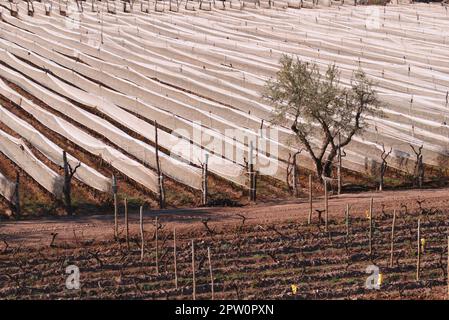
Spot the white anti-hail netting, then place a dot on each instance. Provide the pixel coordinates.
(129, 167)
(174, 168)
(18, 152)
(130, 96)
(7, 188)
(84, 173)
(225, 56)
(189, 130)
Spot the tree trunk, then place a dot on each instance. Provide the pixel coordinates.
(67, 186)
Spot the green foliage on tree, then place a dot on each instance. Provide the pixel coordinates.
(323, 114)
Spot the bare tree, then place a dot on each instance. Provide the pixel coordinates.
(69, 172)
(316, 106)
(418, 173)
(383, 166)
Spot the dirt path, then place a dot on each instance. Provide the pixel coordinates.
(39, 232)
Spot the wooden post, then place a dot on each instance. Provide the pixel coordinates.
(193, 272)
(205, 186)
(371, 227)
(157, 248)
(310, 199)
(251, 172)
(392, 238)
(254, 186)
(418, 260)
(159, 173)
(67, 185)
(448, 266)
(17, 195)
(114, 191)
(210, 272)
(339, 167)
(174, 257)
(141, 234)
(126, 223)
(347, 220)
(326, 204)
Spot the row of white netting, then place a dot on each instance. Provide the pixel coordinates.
(207, 49)
(18, 152)
(129, 167)
(137, 99)
(140, 150)
(211, 66)
(84, 173)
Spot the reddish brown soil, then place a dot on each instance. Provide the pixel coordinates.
(260, 258)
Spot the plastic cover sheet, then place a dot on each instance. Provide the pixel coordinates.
(178, 170)
(182, 127)
(18, 152)
(218, 165)
(254, 49)
(129, 167)
(84, 173)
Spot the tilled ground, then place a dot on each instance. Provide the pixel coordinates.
(252, 258)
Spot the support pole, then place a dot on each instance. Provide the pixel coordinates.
(114, 191)
(157, 247)
(158, 167)
(392, 238)
(205, 185)
(347, 220)
(326, 205)
(211, 274)
(310, 200)
(174, 257)
(339, 167)
(142, 239)
(251, 173)
(126, 223)
(67, 185)
(193, 272)
(371, 227)
(418, 242)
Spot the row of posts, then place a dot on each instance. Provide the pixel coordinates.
(370, 217)
(69, 172)
(157, 249)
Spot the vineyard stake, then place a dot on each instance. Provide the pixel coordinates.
(251, 174)
(157, 249)
(193, 272)
(210, 271)
(174, 257)
(418, 260)
(141, 234)
(310, 199)
(347, 220)
(158, 167)
(326, 204)
(205, 186)
(126, 222)
(371, 227)
(114, 190)
(392, 238)
(339, 164)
